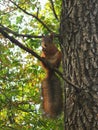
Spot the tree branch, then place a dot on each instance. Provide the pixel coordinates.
(19, 35)
(16, 42)
(38, 19)
(24, 35)
(53, 9)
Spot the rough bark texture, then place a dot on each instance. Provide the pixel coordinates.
(79, 44)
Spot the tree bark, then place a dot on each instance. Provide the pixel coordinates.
(79, 44)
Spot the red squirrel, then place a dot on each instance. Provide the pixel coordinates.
(51, 85)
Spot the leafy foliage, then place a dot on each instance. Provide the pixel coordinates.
(20, 73)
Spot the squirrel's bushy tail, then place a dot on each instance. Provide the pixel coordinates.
(52, 96)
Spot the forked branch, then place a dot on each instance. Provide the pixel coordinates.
(35, 16)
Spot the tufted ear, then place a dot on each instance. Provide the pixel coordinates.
(43, 36)
(52, 36)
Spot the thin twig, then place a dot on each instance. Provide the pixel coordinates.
(67, 81)
(53, 9)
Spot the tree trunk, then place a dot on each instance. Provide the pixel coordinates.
(79, 44)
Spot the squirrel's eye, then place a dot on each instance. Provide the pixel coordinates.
(45, 45)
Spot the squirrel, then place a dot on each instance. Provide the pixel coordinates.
(51, 86)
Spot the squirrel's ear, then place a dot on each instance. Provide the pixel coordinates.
(42, 40)
(51, 36)
(43, 36)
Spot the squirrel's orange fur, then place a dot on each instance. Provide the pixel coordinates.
(51, 85)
